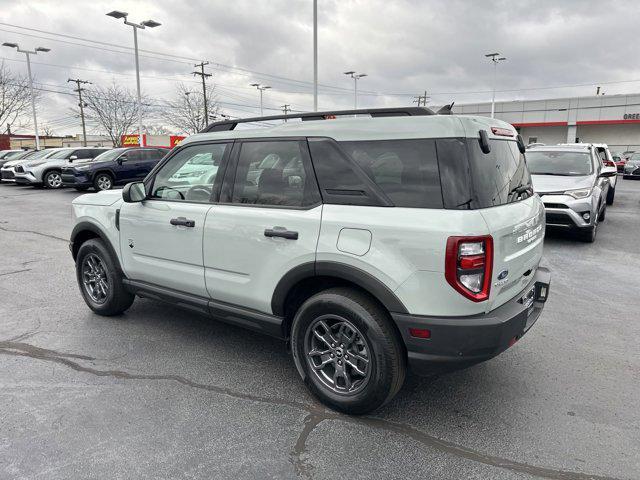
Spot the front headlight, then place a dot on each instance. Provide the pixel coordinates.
(35, 164)
(579, 193)
(82, 169)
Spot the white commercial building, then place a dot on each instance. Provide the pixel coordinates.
(610, 119)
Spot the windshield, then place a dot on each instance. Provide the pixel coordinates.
(635, 158)
(109, 155)
(64, 153)
(41, 154)
(15, 155)
(559, 163)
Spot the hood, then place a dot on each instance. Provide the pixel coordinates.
(104, 198)
(13, 163)
(558, 183)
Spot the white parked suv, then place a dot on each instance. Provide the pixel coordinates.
(370, 243)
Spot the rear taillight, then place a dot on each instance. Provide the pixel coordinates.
(609, 163)
(468, 266)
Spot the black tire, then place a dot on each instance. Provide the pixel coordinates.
(376, 338)
(82, 189)
(103, 181)
(610, 196)
(117, 298)
(52, 179)
(602, 215)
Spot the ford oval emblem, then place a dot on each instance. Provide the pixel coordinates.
(503, 274)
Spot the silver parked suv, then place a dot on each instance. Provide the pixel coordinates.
(574, 186)
(47, 171)
(395, 238)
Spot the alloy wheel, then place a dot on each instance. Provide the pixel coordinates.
(104, 182)
(54, 180)
(338, 354)
(95, 280)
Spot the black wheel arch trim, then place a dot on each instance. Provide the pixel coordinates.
(93, 228)
(352, 274)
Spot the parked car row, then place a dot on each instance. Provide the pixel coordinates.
(81, 168)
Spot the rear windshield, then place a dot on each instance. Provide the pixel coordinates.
(450, 173)
(559, 163)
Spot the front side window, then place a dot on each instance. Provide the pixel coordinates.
(274, 173)
(60, 154)
(190, 174)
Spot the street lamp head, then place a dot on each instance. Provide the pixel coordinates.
(488, 55)
(151, 23)
(255, 85)
(350, 72)
(9, 44)
(265, 87)
(502, 58)
(362, 75)
(43, 49)
(117, 14)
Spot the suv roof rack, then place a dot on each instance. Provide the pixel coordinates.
(329, 115)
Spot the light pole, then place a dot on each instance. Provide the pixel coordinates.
(147, 23)
(315, 55)
(33, 98)
(356, 77)
(261, 88)
(495, 58)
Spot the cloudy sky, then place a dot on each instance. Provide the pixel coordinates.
(405, 47)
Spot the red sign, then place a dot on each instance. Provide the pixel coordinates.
(175, 140)
(132, 140)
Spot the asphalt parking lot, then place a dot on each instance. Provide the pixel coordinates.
(162, 393)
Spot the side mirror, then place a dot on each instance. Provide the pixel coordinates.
(608, 172)
(73, 157)
(485, 146)
(134, 192)
(122, 158)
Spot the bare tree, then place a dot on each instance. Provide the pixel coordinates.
(47, 130)
(185, 111)
(15, 99)
(115, 109)
(156, 130)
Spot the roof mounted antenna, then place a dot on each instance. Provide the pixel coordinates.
(446, 110)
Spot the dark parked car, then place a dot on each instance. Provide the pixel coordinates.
(115, 167)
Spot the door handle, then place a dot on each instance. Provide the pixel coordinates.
(183, 222)
(281, 232)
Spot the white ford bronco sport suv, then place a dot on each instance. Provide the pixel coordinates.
(372, 241)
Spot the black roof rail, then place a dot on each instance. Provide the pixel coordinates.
(374, 112)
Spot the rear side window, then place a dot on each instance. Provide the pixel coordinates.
(84, 153)
(405, 170)
(274, 173)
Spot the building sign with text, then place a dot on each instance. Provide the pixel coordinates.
(132, 140)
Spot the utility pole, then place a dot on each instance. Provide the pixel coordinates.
(286, 108)
(204, 76)
(421, 100)
(81, 104)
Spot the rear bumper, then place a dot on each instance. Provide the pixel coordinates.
(458, 342)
